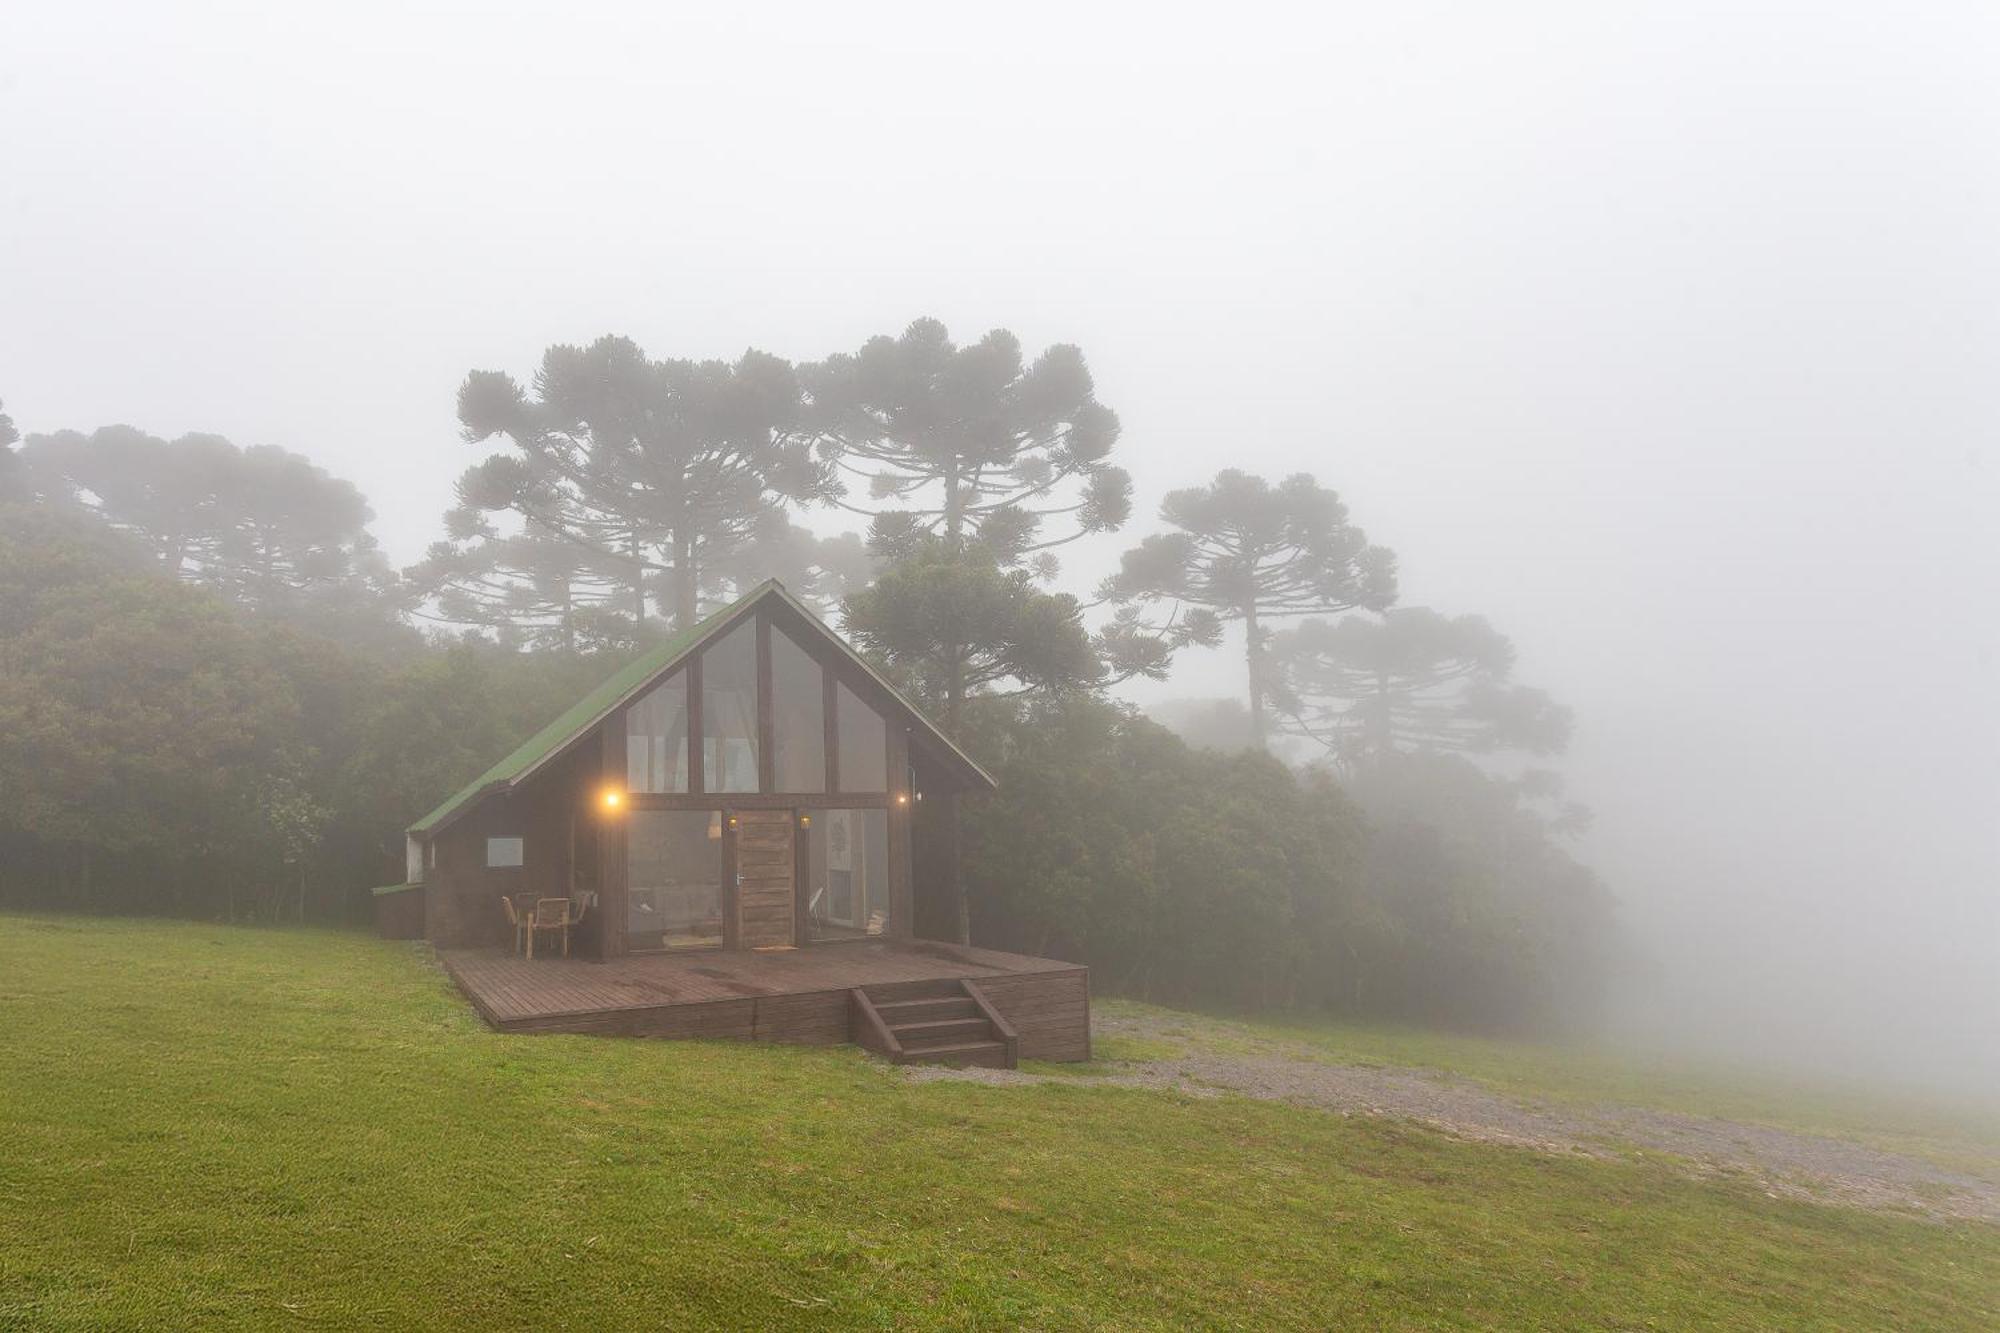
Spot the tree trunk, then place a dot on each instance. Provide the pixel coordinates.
(687, 585)
(638, 584)
(1253, 653)
(954, 692)
(954, 512)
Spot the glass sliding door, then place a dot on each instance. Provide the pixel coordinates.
(847, 873)
(674, 869)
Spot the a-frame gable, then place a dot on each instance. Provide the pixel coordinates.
(639, 676)
(921, 727)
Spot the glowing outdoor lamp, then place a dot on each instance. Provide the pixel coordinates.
(612, 800)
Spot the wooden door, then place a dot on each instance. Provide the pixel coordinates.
(764, 887)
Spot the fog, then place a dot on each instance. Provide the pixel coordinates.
(1668, 339)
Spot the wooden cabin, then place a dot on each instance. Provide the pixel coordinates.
(748, 830)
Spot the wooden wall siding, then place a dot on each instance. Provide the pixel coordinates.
(765, 862)
(462, 901)
(1050, 1011)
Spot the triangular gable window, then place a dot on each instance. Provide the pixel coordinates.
(656, 738)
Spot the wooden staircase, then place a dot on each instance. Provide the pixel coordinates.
(937, 1022)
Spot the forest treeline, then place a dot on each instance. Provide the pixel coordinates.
(219, 699)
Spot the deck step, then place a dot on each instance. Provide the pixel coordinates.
(889, 992)
(991, 1054)
(941, 1022)
(926, 1011)
(942, 1031)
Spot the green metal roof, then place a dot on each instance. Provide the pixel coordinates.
(588, 711)
(581, 715)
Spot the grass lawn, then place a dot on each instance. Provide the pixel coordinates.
(210, 1126)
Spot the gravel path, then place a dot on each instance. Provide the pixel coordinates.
(1781, 1162)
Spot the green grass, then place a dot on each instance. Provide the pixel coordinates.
(1958, 1136)
(205, 1126)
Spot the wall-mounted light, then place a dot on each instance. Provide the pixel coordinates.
(612, 800)
(805, 821)
(732, 821)
(902, 798)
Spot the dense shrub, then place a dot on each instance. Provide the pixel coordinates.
(1192, 875)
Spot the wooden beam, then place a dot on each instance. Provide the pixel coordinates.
(613, 884)
(902, 895)
(831, 708)
(697, 778)
(767, 757)
(731, 938)
(756, 801)
(801, 888)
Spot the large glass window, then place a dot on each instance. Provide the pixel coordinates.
(847, 873)
(864, 744)
(656, 738)
(674, 863)
(729, 711)
(798, 723)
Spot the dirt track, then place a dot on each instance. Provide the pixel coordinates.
(1780, 1161)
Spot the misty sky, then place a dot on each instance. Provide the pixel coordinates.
(1668, 337)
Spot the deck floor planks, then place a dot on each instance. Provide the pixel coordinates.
(782, 995)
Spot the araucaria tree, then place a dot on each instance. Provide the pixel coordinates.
(1410, 680)
(1245, 550)
(531, 588)
(970, 443)
(661, 470)
(263, 525)
(956, 623)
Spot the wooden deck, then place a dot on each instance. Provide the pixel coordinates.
(791, 995)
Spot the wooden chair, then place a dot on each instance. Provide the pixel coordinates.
(550, 914)
(515, 920)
